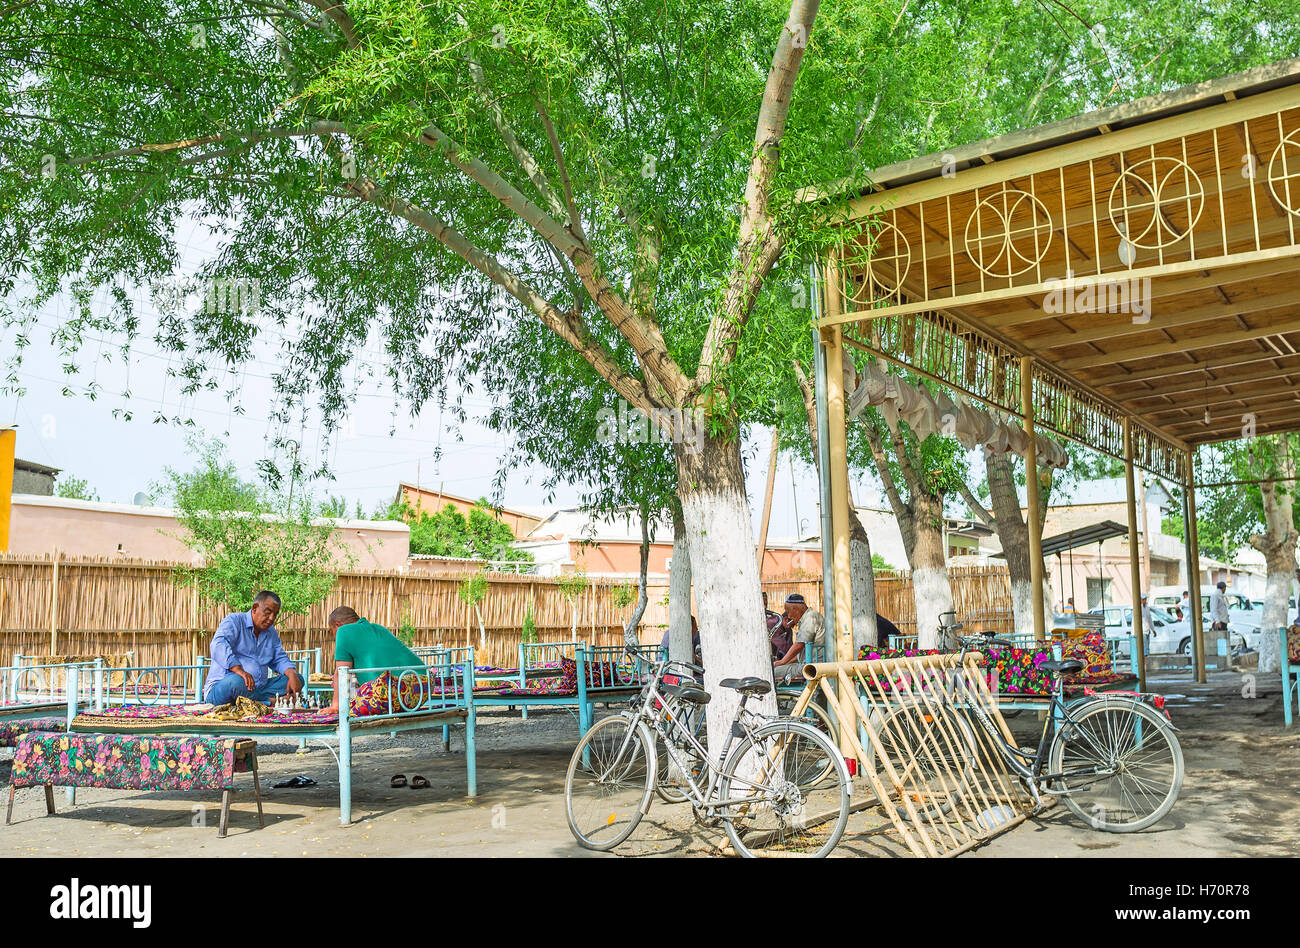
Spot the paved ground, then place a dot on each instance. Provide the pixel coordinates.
(1239, 798)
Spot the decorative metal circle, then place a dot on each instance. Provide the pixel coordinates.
(142, 681)
(1008, 232)
(36, 675)
(1155, 203)
(1284, 172)
(401, 702)
(876, 265)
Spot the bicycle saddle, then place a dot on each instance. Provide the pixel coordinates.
(1067, 667)
(688, 692)
(747, 686)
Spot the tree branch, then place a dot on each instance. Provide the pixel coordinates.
(335, 10)
(568, 326)
(759, 244)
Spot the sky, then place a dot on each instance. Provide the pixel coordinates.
(120, 458)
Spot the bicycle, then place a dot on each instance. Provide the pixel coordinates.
(1113, 759)
(771, 791)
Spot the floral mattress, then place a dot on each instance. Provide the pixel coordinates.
(124, 762)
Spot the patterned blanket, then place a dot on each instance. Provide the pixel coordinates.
(124, 762)
(147, 717)
(10, 731)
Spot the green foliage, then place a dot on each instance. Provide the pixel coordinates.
(623, 595)
(878, 562)
(1227, 516)
(448, 532)
(653, 103)
(573, 585)
(75, 488)
(528, 632)
(250, 538)
(406, 630)
(473, 590)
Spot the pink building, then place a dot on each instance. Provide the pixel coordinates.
(41, 525)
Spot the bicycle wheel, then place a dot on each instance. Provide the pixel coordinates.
(1139, 756)
(607, 787)
(815, 716)
(790, 812)
(937, 745)
(668, 785)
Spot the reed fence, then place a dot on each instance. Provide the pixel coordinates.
(90, 606)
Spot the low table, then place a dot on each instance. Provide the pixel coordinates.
(128, 762)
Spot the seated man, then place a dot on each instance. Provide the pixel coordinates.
(245, 647)
(359, 643)
(809, 628)
(695, 641)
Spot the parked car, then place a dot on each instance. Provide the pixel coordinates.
(1243, 615)
(1168, 634)
(1291, 611)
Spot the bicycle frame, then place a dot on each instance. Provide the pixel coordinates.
(654, 706)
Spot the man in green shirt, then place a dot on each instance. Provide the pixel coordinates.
(362, 644)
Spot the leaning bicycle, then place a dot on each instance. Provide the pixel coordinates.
(1113, 759)
(770, 784)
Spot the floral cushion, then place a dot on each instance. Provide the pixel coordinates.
(10, 731)
(1293, 645)
(1014, 670)
(124, 762)
(373, 697)
(1092, 651)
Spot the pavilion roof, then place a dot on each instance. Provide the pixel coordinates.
(1141, 261)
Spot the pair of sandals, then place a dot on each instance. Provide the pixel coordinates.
(417, 782)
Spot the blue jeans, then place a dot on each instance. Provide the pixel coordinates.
(232, 686)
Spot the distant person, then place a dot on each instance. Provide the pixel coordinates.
(359, 643)
(808, 627)
(885, 632)
(773, 618)
(1184, 608)
(695, 641)
(1219, 607)
(1069, 607)
(1146, 616)
(245, 647)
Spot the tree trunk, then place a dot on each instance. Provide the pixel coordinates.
(1013, 534)
(720, 538)
(679, 596)
(630, 633)
(930, 585)
(863, 578)
(1278, 545)
(864, 587)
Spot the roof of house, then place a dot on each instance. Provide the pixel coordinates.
(534, 512)
(34, 468)
(137, 510)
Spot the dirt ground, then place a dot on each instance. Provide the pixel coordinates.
(1239, 798)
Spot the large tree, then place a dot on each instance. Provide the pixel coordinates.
(622, 173)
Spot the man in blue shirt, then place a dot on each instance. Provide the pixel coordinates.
(245, 647)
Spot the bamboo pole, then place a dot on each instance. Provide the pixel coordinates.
(767, 499)
(840, 646)
(54, 604)
(1031, 497)
(1192, 538)
(1134, 562)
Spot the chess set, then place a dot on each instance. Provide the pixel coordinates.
(299, 703)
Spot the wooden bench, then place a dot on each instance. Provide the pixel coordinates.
(52, 759)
